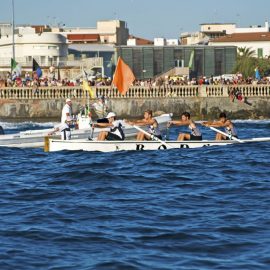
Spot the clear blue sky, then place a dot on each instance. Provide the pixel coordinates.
(145, 18)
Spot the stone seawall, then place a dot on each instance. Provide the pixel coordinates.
(199, 107)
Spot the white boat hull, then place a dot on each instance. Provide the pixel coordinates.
(35, 138)
(112, 146)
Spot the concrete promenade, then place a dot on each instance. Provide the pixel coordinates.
(203, 102)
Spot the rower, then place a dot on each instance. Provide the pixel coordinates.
(152, 126)
(116, 132)
(228, 127)
(64, 129)
(195, 134)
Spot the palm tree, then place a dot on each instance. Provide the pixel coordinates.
(245, 62)
(245, 52)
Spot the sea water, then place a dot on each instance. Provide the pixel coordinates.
(205, 208)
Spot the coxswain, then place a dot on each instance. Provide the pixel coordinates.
(228, 126)
(195, 133)
(116, 132)
(151, 124)
(64, 128)
(66, 111)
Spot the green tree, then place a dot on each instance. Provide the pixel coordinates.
(245, 62)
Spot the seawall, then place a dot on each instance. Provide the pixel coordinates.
(201, 102)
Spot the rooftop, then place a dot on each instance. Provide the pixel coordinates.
(217, 23)
(244, 37)
(141, 41)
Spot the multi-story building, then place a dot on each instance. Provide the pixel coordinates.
(54, 45)
(46, 48)
(211, 31)
(149, 61)
(257, 42)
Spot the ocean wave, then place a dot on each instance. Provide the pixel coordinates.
(191, 208)
(26, 125)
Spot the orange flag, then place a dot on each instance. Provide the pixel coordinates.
(123, 76)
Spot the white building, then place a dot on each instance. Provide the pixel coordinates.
(193, 38)
(254, 29)
(5, 29)
(166, 42)
(172, 42)
(210, 31)
(46, 48)
(159, 41)
(258, 42)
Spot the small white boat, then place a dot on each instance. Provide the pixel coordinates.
(53, 145)
(35, 138)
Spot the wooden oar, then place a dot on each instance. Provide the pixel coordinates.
(153, 137)
(225, 134)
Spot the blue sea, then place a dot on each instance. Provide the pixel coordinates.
(205, 208)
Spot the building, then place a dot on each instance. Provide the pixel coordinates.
(5, 29)
(80, 51)
(211, 31)
(64, 46)
(258, 42)
(137, 41)
(107, 32)
(149, 61)
(46, 48)
(196, 38)
(97, 42)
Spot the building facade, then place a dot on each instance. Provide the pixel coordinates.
(46, 48)
(257, 42)
(106, 32)
(149, 61)
(63, 46)
(211, 31)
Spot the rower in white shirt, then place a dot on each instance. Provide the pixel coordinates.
(64, 128)
(116, 132)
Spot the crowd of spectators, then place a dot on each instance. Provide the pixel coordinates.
(229, 79)
(28, 81)
(47, 81)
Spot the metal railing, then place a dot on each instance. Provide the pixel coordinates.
(134, 92)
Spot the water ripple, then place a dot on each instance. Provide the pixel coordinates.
(188, 209)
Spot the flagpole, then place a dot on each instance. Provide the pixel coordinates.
(13, 31)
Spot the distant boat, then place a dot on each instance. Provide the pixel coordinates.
(35, 138)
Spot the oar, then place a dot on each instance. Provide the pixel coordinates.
(225, 134)
(154, 137)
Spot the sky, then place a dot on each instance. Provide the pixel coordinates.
(145, 18)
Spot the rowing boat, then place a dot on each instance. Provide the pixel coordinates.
(53, 145)
(35, 138)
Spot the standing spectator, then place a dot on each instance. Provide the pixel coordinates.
(66, 111)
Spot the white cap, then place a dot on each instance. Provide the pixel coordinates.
(68, 100)
(111, 114)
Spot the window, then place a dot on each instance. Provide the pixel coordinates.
(260, 52)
